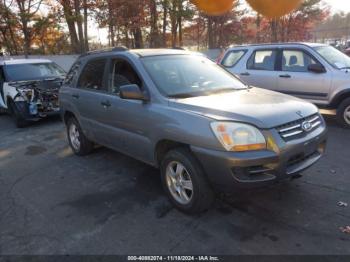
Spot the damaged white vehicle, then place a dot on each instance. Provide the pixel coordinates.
(29, 89)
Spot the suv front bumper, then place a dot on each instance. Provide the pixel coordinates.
(22, 108)
(229, 170)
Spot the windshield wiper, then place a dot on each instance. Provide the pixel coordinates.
(183, 95)
(203, 93)
(346, 67)
(221, 90)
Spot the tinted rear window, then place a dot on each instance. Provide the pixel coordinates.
(262, 60)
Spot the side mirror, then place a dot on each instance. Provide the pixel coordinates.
(317, 68)
(132, 92)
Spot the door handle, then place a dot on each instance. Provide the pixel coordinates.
(106, 104)
(245, 74)
(76, 96)
(286, 76)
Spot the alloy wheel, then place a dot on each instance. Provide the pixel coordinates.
(179, 182)
(347, 115)
(74, 136)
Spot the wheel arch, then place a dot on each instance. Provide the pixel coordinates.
(165, 145)
(67, 115)
(338, 98)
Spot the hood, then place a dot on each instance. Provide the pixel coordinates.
(260, 107)
(50, 84)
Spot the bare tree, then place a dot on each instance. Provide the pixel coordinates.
(86, 38)
(26, 11)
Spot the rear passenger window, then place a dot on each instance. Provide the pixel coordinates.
(92, 75)
(262, 60)
(232, 58)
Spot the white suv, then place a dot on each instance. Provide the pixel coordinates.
(316, 72)
(29, 88)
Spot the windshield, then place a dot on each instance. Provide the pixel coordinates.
(333, 56)
(189, 75)
(23, 72)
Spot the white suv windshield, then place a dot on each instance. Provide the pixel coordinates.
(23, 72)
(189, 75)
(334, 56)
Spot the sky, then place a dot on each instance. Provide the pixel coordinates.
(339, 5)
(335, 6)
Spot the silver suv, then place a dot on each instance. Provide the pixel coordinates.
(316, 72)
(184, 114)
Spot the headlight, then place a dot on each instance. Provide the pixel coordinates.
(238, 137)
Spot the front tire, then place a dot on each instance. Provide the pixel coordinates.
(77, 140)
(343, 113)
(19, 121)
(185, 183)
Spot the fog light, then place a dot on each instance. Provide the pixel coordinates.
(322, 148)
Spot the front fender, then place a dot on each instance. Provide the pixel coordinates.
(11, 93)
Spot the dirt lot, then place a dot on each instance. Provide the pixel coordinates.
(52, 202)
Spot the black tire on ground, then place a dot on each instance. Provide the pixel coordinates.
(203, 195)
(344, 108)
(20, 122)
(86, 146)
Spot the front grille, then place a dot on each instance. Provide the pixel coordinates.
(294, 130)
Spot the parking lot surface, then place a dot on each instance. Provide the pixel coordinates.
(53, 202)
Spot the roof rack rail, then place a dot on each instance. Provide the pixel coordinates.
(178, 48)
(120, 48)
(111, 49)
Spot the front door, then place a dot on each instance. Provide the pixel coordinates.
(295, 79)
(125, 122)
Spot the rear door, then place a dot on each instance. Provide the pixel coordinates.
(295, 79)
(89, 95)
(261, 68)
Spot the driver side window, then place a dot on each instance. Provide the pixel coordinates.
(296, 61)
(123, 74)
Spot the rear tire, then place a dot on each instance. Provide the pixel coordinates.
(185, 182)
(20, 122)
(343, 113)
(79, 143)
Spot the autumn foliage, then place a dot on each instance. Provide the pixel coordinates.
(70, 26)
